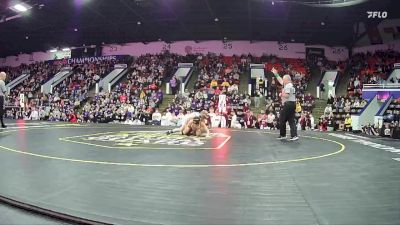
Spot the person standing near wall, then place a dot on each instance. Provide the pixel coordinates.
(3, 93)
(287, 114)
(174, 85)
(257, 97)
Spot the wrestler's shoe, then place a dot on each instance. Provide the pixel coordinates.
(168, 132)
(281, 138)
(294, 138)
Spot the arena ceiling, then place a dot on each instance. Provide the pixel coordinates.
(63, 23)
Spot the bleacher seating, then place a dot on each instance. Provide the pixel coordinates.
(370, 69)
(39, 74)
(392, 113)
(137, 97)
(343, 106)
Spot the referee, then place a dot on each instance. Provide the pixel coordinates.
(3, 92)
(288, 111)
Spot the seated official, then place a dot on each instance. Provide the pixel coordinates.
(347, 123)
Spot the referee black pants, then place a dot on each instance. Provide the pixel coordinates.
(2, 110)
(288, 115)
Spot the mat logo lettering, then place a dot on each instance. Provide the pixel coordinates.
(145, 138)
(149, 140)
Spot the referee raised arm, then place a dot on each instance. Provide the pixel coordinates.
(288, 110)
(3, 92)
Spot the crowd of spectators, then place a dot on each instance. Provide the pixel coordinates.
(391, 122)
(219, 76)
(371, 68)
(66, 98)
(300, 73)
(296, 68)
(136, 99)
(218, 73)
(14, 72)
(337, 113)
(235, 112)
(39, 73)
(324, 64)
(364, 68)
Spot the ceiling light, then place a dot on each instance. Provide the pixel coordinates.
(66, 49)
(53, 50)
(216, 19)
(292, 40)
(273, 3)
(76, 29)
(322, 23)
(20, 7)
(139, 23)
(26, 37)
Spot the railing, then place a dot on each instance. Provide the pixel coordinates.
(115, 79)
(183, 79)
(381, 86)
(326, 83)
(259, 72)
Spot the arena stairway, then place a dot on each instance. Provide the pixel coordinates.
(244, 82)
(319, 109)
(315, 79)
(92, 92)
(258, 110)
(192, 80)
(167, 100)
(341, 87)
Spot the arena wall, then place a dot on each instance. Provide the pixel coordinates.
(284, 50)
(394, 45)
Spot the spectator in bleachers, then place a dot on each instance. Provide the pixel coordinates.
(156, 118)
(174, 84)
(370, 130)
(347, 106)
(272, 121)
(328, 110)
(34, 115)
(323, 124)
(387, 131)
